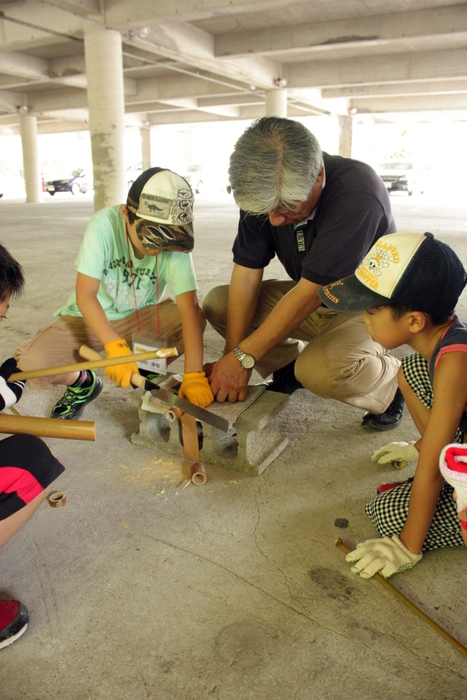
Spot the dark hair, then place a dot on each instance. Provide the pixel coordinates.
(11, 276)
(437, 319)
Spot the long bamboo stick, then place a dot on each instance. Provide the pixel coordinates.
(48, 427)
(93, 364)
(410, 605)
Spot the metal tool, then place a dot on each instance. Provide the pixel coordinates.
(173, 400)
(167, 397)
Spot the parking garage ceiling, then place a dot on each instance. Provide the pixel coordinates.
(188, 61)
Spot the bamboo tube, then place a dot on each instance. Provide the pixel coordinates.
(93, 364)
(410, 605)
(47, 427)
(198, 474)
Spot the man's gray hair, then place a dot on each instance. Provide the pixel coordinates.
(274, 165)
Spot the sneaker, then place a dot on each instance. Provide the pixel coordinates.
(14, 618)
(388, 420)
(75, 398)
(387, 487)
(283, 380)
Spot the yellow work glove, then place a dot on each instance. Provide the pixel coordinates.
(121, 374)
(195, 387)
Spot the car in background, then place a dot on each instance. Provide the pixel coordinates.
(402, 176)
(78, 182)
(194, 176)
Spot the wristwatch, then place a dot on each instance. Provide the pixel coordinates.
(247, 361)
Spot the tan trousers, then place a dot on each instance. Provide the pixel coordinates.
(59, 343)
(339, 361)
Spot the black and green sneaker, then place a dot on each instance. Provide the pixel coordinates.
(75, 398)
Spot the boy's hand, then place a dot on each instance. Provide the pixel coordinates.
(386, 555)
(121, 374)
(10, 392)
(195, 387)
(396, 453)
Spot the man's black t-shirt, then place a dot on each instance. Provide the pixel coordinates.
(353, 211)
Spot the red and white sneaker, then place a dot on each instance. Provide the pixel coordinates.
(14, 618)
(388, 487)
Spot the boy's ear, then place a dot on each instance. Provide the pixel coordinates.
(417, 321)
(124, 211)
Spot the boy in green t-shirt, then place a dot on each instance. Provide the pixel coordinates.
(129, 255)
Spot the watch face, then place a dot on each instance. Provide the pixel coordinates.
(247, 361)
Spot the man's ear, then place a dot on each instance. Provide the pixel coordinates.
(417, 321)
(124, 211)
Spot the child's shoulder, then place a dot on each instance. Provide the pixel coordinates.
(106, 221)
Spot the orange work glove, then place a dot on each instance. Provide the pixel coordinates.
(121, 374)
(195, 387)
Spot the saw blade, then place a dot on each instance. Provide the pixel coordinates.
(172, 399)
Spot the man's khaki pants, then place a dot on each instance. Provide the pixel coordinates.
(58, 344)
(335, 356)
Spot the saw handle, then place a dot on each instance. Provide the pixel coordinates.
(89, 354)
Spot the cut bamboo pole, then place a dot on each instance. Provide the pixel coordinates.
(93, 364)
(410, 605)
(48, 427)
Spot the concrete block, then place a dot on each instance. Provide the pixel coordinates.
(250, 446)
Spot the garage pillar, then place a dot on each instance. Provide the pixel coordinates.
(145, 132)
(32, 175)
(276, 102)
(345, 135)
(104, 70)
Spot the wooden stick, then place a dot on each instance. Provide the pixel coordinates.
(48, 427)
(93, 364)
(410, 605)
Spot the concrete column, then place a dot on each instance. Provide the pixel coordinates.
(104, 70)
(145, 132)
(345, 135)
(276, 102)
(32, 174)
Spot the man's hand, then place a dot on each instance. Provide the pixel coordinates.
(386, 555)
(228, 379)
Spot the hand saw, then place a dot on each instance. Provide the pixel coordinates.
(168, 397)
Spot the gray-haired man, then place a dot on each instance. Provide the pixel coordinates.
(320, 215)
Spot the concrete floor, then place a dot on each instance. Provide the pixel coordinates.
(140, 589)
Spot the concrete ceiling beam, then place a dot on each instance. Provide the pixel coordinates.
(398, 27)
(436, 65)
(125, 13)
(424, 87)
(423, 103)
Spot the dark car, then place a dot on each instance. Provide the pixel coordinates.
(78, 182)
(403, 176)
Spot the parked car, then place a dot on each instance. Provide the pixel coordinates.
(402, 176)
(194, 176)
(78, 182)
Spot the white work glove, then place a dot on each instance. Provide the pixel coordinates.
(396, 453)
(387, 556)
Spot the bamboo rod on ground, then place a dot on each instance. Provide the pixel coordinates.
(338, 542)
(48, 427)
(93, 364)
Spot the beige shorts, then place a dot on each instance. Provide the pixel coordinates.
(58, 344)
(335, 356)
